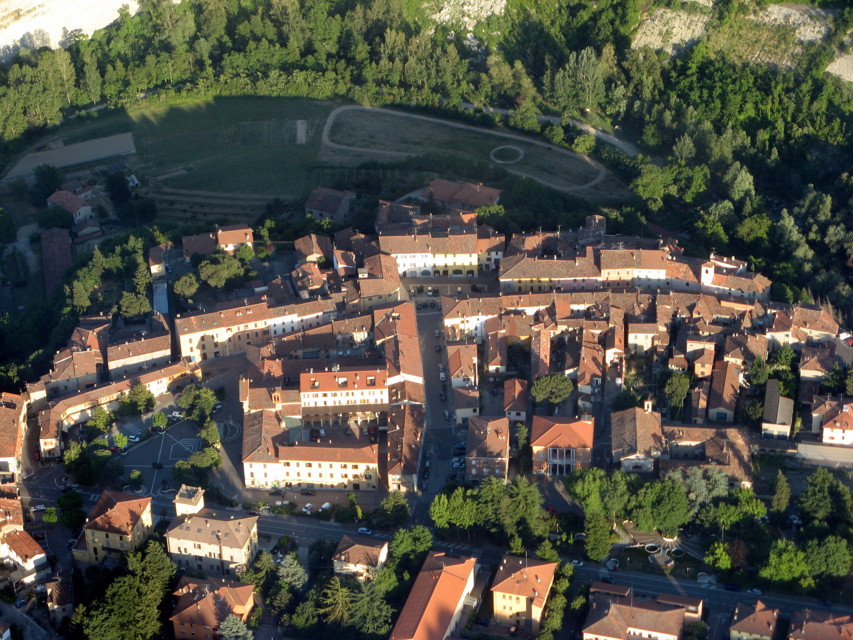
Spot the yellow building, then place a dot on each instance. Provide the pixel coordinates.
(119, 523)
(753, 621)
(520, 591)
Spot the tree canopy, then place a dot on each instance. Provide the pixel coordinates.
(554, 388)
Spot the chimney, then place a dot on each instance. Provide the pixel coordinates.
(647, 405)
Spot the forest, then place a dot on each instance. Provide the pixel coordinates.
(742, 159)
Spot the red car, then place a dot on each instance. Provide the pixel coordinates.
(37, 456)
(114, 449)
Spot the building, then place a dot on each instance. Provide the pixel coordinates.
(329, 204)
(433, 253)
(433, 609)
(313, 248)
(119, 523)
(345, 389)
(142, 351)
(487, 455)
(515, 399)
(461, 195)
(753, 621)
(157, 260)
(27, 555)
(203, 604)
(561, 445)
(378, 282)
(359, 556)
(466, 403)
(60, 602)
(778, 412)
(808, 624)
(462, 365)
(56, 256)
(208, 541)
(615, 614)
(636, 438)
(642, 338)
(13, 423)
(725, 449)
(725, 383)
(66, 201)
(200, 244)
(520, 592)
(234, 236)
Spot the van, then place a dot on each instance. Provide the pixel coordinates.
(326, 506)
(442, 376)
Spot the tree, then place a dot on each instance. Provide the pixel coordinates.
(210, 433)
(817, 499)
(118, 189)
(546, 551)
(786, 563)
(47, 180)
(580, 83)
(781, 493)
(216, 271)
(50, 516)
(718, 556)
(554, 388)
(829, 556)
(696, 631)
(142, 277)
(92, 81)
(336, 600)
(232, 628)
(102, 419)
(245, 253)
(291, 573)
(626, 399)
(759, 371)
(160, 420)
(135, 479)
(597, 530)
(120, 440)
(738, 182)
(139, 400)
(133, 304)
(394, 509)
(676, 389)
(661, 505)
(369, 613)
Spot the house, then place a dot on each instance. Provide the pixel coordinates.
(487, 454)
(808, 624)
(708, 447)
(816, 362)
(725, 382)
(697, 402)
(753, 621)
(496, 353)
(203, 604)
(313, 248)
(703, 364)
(56, 256)
(119, 523)
(433, 253)
(27, 555)
(520, 592)
(378, 282)
(778, 412)
(460, 195)
(835, 421)
(515, 399)
(157, 260)
(359, 556)
(232, 237)
(74, 370)
(614, 614)
(561, 445)
(636, 438)
(329, 204)
(150, 348)
(66, 201)
(60, 602)
(433, 609)
(591, 371)
(642, 337)
(208, 541)
(201, 244)
(466, 402)
(13, 423)
(743, 348)
(309, 280)
(86, 230)
(462, 365)
(406, 424)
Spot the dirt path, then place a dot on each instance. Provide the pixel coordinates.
(601, 171)
(261, 197)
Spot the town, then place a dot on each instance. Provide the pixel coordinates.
(442, 430)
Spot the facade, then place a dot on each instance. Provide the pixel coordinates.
(636, 439)
(344, 388)
(146, 351)
(561, 445)
(13, 423)
(329, 204)
(753, 621)
(60, 601)
(27, 555)
(232, 237)
(203, 604)
(119, 523)
(487, 454)
(462, 365)
(520, 592)
(359, 556)
(207, 541)
(433, 609)
(66, 201)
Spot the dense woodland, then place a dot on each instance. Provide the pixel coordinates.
(747, 160)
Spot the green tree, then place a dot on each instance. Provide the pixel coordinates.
(160, 420)
(102, 419)
(584, 144)
(142, 278)
(210, 433)
(661, 505)
(626, 399)
(135, 479)
(781, 493)
(232, 628)
(50, 516)
(336, 600)
(554, 388)
(139, 400)
(186, 286)
(291, 573)
(597, 530)
(369, 613)
(759, 371)
(786, 563)
(817, 501)
(676, 389)
(133, 304)
(394, 509)
(218, 270)
(829, 556)
(546, 551)
(245, 253)
(696, 631)
(718, 556)
(48, 179)
(120, 440)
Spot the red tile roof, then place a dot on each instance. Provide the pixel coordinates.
(117, 512)
(68, 201)
(525, 577)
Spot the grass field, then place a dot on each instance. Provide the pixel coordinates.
(387, 132)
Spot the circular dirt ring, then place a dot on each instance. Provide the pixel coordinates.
(506, 154)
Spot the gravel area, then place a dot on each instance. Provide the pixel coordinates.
(670, 30)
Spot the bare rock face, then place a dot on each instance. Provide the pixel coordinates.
(468, 13)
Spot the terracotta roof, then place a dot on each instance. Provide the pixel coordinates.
(12, 415)
(437, 593)
(23, 545)
(807, 624)
(725, 448)
(146, 345)
(234, 234)
(207, 602)
(11, 512)
(383, 276)
(612, 619)
(467, 194)
(344, 378)
(515, 395)
(157, 255)
(523, 267)
(327, 200)
(433, 243)
(309, 277)
(66, 200)
(627, 259)
(211, 527)
(359, 550)
(462, 361)
(262, 435)
(405, 430)
(634, 431)
(745, 347)
(465, 398)
(117, 512)
(311, 246)
(755, 619)
(525, 577)
(569, 433)
(488, 437)
(202, 244)
(725, 382)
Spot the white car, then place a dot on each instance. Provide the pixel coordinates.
(176, 415)
(133, 438)
(38, 507)
(365, 531)
(577, 563)
(326, 506)
(307, 508)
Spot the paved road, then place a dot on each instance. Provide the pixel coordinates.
(601, 171)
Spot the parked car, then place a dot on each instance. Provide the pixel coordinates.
(365, 531)
(175, 416)
(307, 508)
(115, 449)
(308, 492)
(157, 429)
(217, 407)
(133, 438)
(326, 506)
(443, 396)
(437, 348)
(38, 507)
(577, 563)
